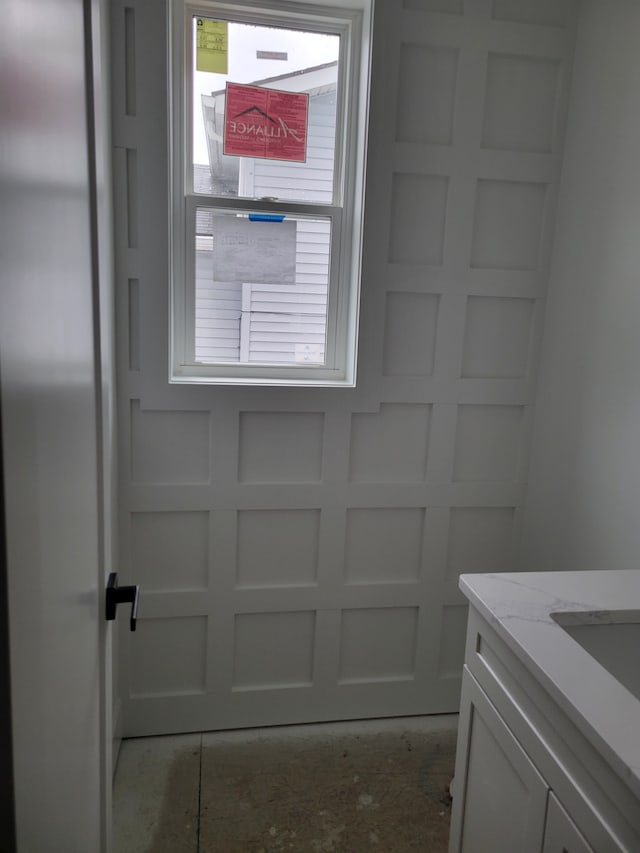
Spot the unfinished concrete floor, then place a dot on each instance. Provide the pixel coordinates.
(351, 787)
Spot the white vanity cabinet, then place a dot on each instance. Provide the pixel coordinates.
(527, 780)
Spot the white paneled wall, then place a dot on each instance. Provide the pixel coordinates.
(299, 549)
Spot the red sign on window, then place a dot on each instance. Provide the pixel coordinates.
(265, 123)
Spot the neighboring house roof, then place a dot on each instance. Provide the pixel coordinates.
(304, 80)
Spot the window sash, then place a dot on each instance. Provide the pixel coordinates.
(187, 342)
(308, 19)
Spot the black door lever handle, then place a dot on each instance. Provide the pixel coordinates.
(121, 595)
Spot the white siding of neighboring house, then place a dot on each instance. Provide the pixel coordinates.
(218, 309)
(283, 323)
(289, 330)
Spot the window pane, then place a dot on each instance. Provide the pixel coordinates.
(261, 288)
(271, 58)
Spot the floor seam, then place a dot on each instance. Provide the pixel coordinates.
(199, 796)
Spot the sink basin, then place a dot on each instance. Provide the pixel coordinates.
(612, 638)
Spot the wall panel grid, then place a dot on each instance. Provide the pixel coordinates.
(299, 550)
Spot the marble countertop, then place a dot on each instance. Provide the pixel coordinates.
(520, 606)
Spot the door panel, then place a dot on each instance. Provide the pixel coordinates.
(500, 799)
(314, 538)
(561, 834)
(50, 431)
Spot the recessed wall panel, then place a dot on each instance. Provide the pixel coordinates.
(521, 103)
(418, 213)
(277, 547)
(168, 656)
(378, 644)
(481, 539)
(425, 113)
(273, 650)
(169, 447)
(280, 447)
(508, 225)
(497, 341)
(384, 545)
(488, 442)
(410, 334)
(390, 445)
(170, 550)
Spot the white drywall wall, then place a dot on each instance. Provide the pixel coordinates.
(583, 505)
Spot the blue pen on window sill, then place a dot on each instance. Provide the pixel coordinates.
(266, 217)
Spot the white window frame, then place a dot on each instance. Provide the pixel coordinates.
(352, 20)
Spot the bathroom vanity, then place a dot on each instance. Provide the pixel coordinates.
(548, 754)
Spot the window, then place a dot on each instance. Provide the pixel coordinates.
(268, 113)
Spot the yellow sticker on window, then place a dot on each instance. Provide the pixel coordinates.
(211, 46)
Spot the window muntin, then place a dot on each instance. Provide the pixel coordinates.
(325, 354)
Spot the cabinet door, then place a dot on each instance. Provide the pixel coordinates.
(561, 834)
(499, 798)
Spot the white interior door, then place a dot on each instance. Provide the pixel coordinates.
(299, 549)
(52, 402)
